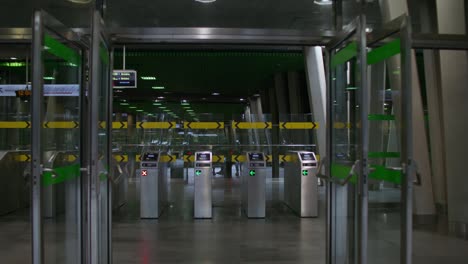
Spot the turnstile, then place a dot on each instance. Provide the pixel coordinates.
(153, 185)
(202, 185)
(253, 179)
(300, 183)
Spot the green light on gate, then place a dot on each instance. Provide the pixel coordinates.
(252, 173)
(198, 172)
(305, 172)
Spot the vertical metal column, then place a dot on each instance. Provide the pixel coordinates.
(93, 201)
(36, 149)
(363, 175)
(407, 144)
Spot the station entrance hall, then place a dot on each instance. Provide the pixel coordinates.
(213, 131)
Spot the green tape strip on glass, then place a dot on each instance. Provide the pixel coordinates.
(384, 52)
(60, 50)
(383, 155)
(341, 172)
(61, 174)
(344, 55)
(381, 117)
(378, 173)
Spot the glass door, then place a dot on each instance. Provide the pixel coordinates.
(347, 146)
(391, 143)
(57, 88)
(100, 125)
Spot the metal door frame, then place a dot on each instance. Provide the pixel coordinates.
(43, 22)
(357, 30)
(400, 26)
(92, 244)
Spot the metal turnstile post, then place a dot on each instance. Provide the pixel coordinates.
(253, 185)
(153, 185)
(301, 183)
(202, 185)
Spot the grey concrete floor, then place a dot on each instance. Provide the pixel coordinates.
(229, 237)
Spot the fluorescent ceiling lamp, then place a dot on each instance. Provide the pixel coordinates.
(167, 110)
(139, 110)
(215, 93)
(12, 64)
(242, 99)
(148, 78)
(184, 103)
(13, 58)
(186, 107)
(124, 104)
(158, 87)
(323, 2)
(162, 107)
(161, 97)
(132, 107)
(157, 104)
(205, 1)
(189, 110)
(49, 78)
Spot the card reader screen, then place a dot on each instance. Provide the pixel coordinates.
(307, 156)
(256, 156)
(203, 157)
(150, 157)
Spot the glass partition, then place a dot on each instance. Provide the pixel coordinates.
(15, 153)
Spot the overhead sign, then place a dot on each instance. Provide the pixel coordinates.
(49, 89)
(122, 79)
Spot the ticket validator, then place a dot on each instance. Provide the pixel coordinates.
(202, 185)
(253, 185)
(300, 183)
(153, 185)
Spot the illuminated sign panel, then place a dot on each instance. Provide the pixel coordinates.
(122, 79)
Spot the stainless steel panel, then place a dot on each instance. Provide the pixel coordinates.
(203, 194)
(300, 191)
(254, 188)
(149, 205)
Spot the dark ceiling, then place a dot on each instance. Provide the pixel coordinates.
(265, 14)
(195, 75)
